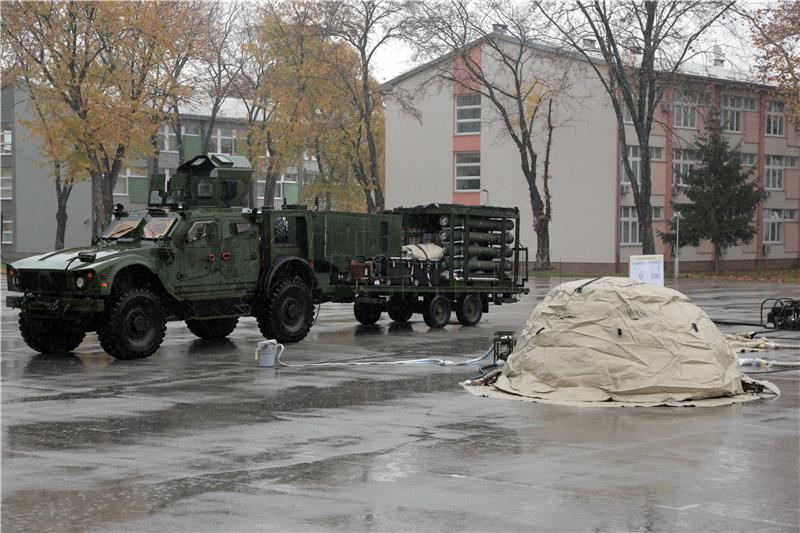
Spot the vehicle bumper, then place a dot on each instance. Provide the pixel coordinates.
(55, 306)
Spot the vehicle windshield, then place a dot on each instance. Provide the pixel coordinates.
(123, 227)
(157, 228)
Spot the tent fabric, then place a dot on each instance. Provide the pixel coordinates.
(620, 340)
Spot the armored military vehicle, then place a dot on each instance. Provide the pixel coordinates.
(196, 254)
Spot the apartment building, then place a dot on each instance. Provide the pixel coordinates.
(455, 150)
(27, 192)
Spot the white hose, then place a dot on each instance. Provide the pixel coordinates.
(427, 360)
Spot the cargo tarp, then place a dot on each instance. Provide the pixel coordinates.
(619, 340)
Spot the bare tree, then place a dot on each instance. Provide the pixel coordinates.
(775, 31)
(219, 67)
(367, 25)
(519, 78)
(637, 49)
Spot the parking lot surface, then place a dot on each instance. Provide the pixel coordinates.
(199, 438)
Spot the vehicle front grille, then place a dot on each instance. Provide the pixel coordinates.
(43, 280)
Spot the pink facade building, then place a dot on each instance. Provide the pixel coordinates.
(452, 150)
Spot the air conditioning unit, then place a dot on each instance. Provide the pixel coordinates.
(624, 188)
(665, 107)
(767, 193)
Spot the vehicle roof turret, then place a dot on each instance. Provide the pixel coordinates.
(209, 180)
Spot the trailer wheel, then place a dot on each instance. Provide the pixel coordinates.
(366, 314)
(134, 325)
(287, 315)
(215, 328)
(469, 310)
(49, 336)
(437, 311)
(400, 309)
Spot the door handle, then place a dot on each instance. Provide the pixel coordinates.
(226, 256)
(212, 258)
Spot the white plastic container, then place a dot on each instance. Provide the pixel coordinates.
(267, 352)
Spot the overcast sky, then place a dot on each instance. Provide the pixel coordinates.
(394, 58)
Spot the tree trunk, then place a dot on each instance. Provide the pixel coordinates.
(62, 196)
(272, 174)
(541, 224)
(101, 215)
(177, 127)
(542, 227)
(61, 226)
(717, 256)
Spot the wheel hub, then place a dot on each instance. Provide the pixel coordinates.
(138, 324)
(292, 310)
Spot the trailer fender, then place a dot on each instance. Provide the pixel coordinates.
(288, 266)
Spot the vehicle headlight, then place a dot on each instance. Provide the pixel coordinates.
(80, 282)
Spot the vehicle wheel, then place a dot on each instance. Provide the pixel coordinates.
(470, 310)
(400, 309)
(287, 315)
(133, 326)
(52, 336)
(215, 328)
(367, 314)
(437, 311)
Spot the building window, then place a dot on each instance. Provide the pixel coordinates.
(635, 159)
(636, 162)
(167, 139)
(190, 131)
(468, 113)
(6, 185)
(683, 161)
(226, 141)
(289, 177)
(628, 225)
(7, 143)
(656, 153)
(773, 223)
(626, 113)
(773, 170)
(7, 236)
(774, 126)
(468, 171)
(748, 159)
(121, 187)
(684, 115)
(732, 107)
(658, 212)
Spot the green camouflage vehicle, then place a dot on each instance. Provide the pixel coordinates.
(196, 254)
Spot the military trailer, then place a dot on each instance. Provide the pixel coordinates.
(198, 255)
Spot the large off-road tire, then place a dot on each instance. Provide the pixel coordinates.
(400, 309)
(288, 313)
(213, 328)
(469, 310)
(133, 325)
(50, 336)
(437, 311)
(367, 314)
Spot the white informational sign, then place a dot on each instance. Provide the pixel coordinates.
(647, 268)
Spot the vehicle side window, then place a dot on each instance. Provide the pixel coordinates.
(200, 231)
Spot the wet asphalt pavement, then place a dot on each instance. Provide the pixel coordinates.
(199, 438)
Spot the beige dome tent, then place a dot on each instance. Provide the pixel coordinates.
(610, 340)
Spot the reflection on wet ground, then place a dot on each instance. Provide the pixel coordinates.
(199, 438)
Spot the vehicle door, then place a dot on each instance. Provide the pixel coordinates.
(239, 261)
(200, 256)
